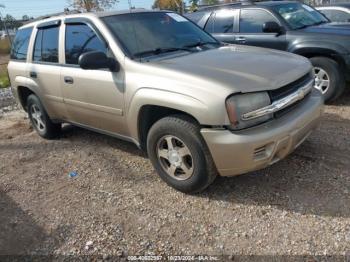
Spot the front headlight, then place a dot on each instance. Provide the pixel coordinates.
(238, 105)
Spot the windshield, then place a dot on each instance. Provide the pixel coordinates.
(300, 15)
(153, 33)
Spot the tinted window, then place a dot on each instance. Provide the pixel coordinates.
(209, 27)
(195, 16)
(221, 22)
(46, 45)
(20, 44)
(336, 15)
(80, 38)
(252, 20)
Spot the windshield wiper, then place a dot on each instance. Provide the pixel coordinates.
(162, 50)
(200, 43)
(318, 23)
(321, 22)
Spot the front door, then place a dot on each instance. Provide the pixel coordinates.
(251, 30)
(93, 98)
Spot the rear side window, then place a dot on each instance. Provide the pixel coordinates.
(46, 45)
(221, 22)
(195, 16)
(252, 20)
(19, 48)
(80, 38)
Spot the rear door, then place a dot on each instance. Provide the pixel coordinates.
(44, 68)
(251, 23)
(222, 24)
(18, 67)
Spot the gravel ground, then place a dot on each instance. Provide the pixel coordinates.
(7, 101)
(117, 205)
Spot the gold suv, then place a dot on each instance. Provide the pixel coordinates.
(198, 107)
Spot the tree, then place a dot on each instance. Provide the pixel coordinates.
(174, 5)
(210, 2)
(194, 5)
(11, 22)
(92, 5)
(25, 18)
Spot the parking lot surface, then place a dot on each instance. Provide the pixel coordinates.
(117, 205)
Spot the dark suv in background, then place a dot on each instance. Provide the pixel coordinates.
(289, 26)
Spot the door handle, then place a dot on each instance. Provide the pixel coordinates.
(33, 74)
(240, 39)
(68, 80)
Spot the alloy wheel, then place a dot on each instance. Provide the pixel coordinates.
(175, 157)
(322, 80)
(37, 118)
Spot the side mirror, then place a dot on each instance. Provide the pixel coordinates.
(97, 60)
(272, 27)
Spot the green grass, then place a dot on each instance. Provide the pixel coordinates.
(4, 81)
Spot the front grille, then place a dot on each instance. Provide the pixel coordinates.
(286, 90)
(284, 111)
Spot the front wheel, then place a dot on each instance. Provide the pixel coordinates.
(329, 79)
(180, 155)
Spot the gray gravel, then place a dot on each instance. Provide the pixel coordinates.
(7, 101)
(117, 205)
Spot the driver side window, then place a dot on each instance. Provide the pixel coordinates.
(252, 20)
(80, 38)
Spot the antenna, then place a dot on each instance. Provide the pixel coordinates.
(130, 5)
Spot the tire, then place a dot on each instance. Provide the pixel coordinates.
(40, 120)
(335, 75)
(183, 132)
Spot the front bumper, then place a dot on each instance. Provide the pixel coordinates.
(240, 152)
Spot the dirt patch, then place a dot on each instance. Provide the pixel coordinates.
(298, 206)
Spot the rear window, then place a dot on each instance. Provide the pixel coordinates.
(46, 45)
(195, 16)
(221, 22)
(20, 44)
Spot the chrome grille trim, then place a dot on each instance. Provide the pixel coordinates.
(280, 104)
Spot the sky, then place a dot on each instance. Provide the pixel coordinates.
(18, 8)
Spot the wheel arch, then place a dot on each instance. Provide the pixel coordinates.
(150, 114)
(321, 51)
(23, 92)
(149, 105)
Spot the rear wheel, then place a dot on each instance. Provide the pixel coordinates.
(180, 155)
(329, 79)
(40, 119)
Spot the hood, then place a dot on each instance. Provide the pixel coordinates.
(238, 68)
(330, 28)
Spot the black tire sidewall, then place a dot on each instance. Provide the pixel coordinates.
(193, 140)
(51, 130)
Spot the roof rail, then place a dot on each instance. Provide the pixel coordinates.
(65, 12)
(241, 2)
